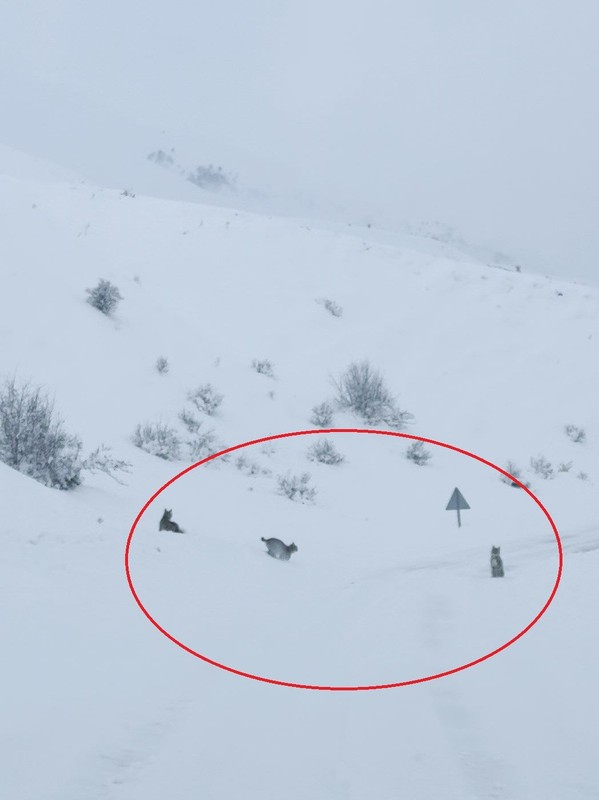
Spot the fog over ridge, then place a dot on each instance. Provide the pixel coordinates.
(479, 116)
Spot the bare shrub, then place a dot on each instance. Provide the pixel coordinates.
(161, 158)
(325, 452)
(102, 460)
(542, 467)
(33, 439)
(417, 453)
(206, 399)
(397, 419)
(189, 419)
(202, 444)
(575, 434)
(210, 177)
(296, 487)
(332, 307)
(516, 472)
(583, 476)
(162, 365)
(361, 389)
(322, 415)
(34, 442)
(263, 367)
(565, 466)
(249, 467)
(158, 439)
(105, 297)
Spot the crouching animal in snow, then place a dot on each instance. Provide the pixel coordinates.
(496, 563)
(278, 549)
(166, 524)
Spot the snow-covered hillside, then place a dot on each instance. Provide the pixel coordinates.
(383, 588)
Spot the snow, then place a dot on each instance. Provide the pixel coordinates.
(384, 588)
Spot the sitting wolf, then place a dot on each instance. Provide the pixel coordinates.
(166, 524)
(496, 563)
(278, 549)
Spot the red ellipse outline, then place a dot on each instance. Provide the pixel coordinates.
(316, 687)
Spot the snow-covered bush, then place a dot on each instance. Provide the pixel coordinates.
(575, 433)
(296, 488)
(516, 472)
(158, 439)
(541, 466)
(332, 307)
(417, 453)
(189, 419)
(161, 158)
(206, 399)
(249, 467)
(263, 366)
(102, 460)
(565, 466)
(202, 444)
(33, 439)
(325, 452)
(397, 419)
(105, 297)
(211, 177)
(361, 389)
(583, 476)
(162, 365)
(322, 415)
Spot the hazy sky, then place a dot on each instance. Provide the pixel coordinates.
(480, 114)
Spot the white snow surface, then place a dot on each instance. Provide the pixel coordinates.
(384, 587)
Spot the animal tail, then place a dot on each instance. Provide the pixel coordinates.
(262, 539)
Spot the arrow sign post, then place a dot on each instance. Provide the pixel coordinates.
(456, 503)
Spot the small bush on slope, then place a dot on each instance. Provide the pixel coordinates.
(201, 443)
(158, 439)
(331, 306)
(249, 467)
(34, 441)
(322, 415)
(361, 389)
(575, 434)
(206, 399)
(162, 365)
(541, 466)
(263, 367)
(514, 470)
(105, 297)
(325, 452)
(417, 453)
(101, 460)
(296, 488)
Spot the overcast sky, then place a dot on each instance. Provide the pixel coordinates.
(480, 114)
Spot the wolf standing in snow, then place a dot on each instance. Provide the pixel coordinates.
(496, 563)
(278, 549)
